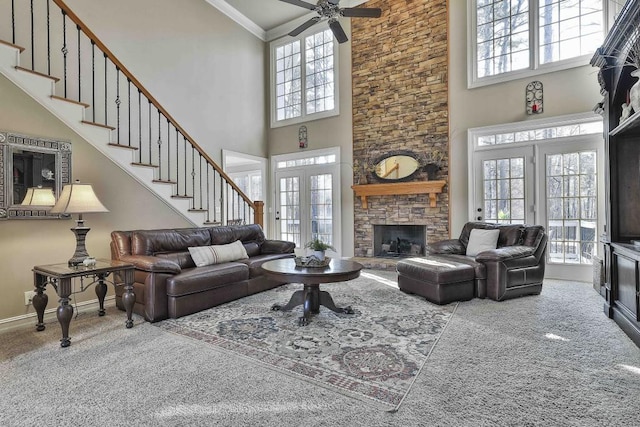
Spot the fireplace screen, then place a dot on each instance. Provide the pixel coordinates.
(399, 240)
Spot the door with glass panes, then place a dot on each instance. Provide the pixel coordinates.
(305, 207)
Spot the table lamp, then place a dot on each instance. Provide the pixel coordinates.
(78, 198)
(38, 196)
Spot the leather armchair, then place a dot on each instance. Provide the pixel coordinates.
(515, 268)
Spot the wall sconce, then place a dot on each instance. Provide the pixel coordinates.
(78, 198)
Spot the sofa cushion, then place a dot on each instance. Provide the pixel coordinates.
(153, 242)
(218, 254)
(255, 262)
(205, 278)
(482, 240)
(183, 259)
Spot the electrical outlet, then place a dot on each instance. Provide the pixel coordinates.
(28, 296)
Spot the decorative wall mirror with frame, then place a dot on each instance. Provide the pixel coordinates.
(28, 162)
(396, 166)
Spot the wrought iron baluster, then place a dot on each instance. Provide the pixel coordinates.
(208, 199)
(193, 177)
(118, 102)
(200, 177)
(185, 165)
(13, 22)
(79, 67)
(48, 39)
(106, 108)
(168, 150)
(139, 120)
(129, 107)
(159, 145)
(64, 49)
(177, 162)
(33, 60)
(93, 80)
(150, 140)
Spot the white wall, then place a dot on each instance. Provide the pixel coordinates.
(330, 132)
(205, 69)
(565, 92)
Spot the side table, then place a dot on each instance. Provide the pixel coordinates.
(60, 277)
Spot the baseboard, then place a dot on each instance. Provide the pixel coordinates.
(30, 319)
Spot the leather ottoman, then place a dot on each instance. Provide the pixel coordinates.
(439, 281)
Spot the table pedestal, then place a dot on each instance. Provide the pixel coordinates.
(311, 298)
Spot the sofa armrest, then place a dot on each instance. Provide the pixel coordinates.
(152, 264)
(452, 246)
(505, 253)
(277, 247)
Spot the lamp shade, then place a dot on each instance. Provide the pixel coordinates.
(78, 198)
(38, 196)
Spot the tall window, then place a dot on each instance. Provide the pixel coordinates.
(304, 78)
(517, 37)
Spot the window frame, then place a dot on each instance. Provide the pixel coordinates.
(535, 68)
(304, 117)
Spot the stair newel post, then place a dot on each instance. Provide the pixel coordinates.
(64, 49)
(222, 198)
(258, 213)
(159, 145)
(33, 50)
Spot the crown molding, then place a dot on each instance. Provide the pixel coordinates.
(239, 18)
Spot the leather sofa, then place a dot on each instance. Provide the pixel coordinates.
(167, 281)
(515, 268)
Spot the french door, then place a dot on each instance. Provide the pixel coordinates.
(503, 182)
(549, 182)
(307, 202)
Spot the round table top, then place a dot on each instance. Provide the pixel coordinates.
(338, 270)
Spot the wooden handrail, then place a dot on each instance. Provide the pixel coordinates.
(81, 25)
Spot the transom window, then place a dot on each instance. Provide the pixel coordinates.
(512, 38)
(304, 78)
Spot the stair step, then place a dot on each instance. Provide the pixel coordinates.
(197, 210)
(212, 223)
(145, 165)
(37, 73)
(98, 124)
(163, 181)
(20, 48)
(73, 101)
(115, 144)
(180, 196)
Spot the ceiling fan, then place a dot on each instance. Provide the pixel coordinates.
(329, 9)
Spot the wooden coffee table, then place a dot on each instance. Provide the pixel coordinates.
(311, 297)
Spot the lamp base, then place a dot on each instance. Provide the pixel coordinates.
(81, 251)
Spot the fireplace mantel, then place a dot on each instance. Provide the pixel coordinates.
(432, 188)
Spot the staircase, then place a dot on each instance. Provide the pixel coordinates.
(50, 54)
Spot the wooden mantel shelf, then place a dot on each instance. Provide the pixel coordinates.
(432, 188)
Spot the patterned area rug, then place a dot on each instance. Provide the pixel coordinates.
(373, 355)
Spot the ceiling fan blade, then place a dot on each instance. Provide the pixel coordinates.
(304, 26)
(361, 12)
(334, 1)
(301, 4)
(338, 31)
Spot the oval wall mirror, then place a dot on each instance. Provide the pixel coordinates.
(396, 167)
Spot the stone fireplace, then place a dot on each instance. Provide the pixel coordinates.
(398, 241)
(400, 102)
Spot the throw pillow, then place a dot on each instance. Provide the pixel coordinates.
(217, 254)
(482, 240)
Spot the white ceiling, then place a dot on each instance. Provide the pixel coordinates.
(269, 19)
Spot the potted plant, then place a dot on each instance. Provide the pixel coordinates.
(318, 247)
